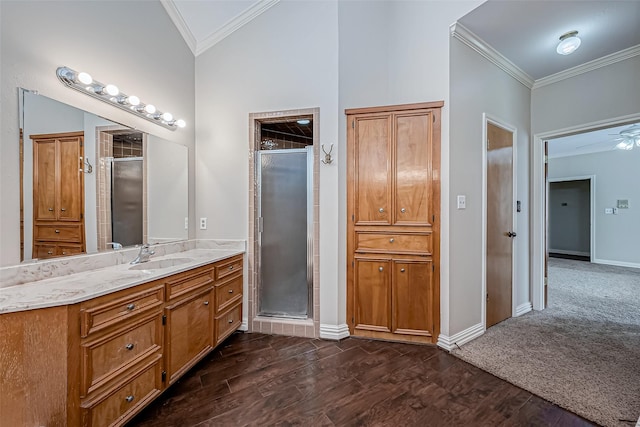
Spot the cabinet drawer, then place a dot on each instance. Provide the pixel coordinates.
(228, 267)
(58, 233)
(45, 251)
(67, 249)
(111, 354)
(106, 311)
(228, 322)
(228, 293)
(394, 243)
(120, 405)
(184, 283)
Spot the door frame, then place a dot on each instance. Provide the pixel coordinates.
(539, 193)
(486, 119)
(592, 207)
(310, 327)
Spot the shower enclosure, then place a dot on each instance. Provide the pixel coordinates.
(126, 200)
(285, 241)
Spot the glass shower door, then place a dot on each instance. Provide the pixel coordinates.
(285, 237)
(126, 200)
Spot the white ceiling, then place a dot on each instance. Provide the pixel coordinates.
(586, 143)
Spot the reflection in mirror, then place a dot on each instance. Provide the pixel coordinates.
(89, 184)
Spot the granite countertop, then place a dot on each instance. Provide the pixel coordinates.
(82, 286)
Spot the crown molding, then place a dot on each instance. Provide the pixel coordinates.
(588, 66)
(234, 24)
(470, 39)
(180, 24)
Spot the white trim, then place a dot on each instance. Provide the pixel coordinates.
(616, 263)
(487, 118)
(592, 215)
(180, 23)
(565, 252)
(245, 324)
(463, 337)
(523, 309)
(588, 66)
(538, 216)
(470, 39)
(334, 332)
(234, 24)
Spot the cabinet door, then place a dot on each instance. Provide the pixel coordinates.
(372, 175)
(189, 332)
(70, 179)
(413, 164)
(413, 298)
(372, 286)
(44, 179)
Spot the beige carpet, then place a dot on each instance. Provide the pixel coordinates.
(581, 353)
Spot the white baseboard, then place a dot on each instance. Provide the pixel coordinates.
(565, 252)
(523, 309)
(245, 324)
(334, 332)
(449, 343)
(616, 263)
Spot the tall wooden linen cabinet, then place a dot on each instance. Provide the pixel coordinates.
(393, 231)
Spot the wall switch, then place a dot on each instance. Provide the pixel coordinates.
(462, 202)
(186, 223)
(608, 211)
(615, 211)
(203, 223)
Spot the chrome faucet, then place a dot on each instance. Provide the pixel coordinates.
(115, 245)
(144, 255)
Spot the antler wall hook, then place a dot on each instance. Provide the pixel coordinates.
(327, 156)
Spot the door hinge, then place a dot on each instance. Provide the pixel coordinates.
(433, 268)
(487, 296)
(433, 218)
(353, 265)
(81, 215)
(353, 320)
(164, 319)
(546, 159)
(353, 124)
(353, 217)
(164, 376)
(260, 225)
(487, 143)
(433, 116)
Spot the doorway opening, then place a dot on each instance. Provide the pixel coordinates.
(284, 198)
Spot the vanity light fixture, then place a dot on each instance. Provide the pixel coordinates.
(109, 93)
(569, 43)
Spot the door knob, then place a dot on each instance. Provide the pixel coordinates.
(511, 234)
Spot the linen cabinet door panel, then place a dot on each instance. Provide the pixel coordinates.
(413, 297)
(71, 179)
(372, 286)
(372, 175)
(413, 165)
(189, 332)
(44, 178)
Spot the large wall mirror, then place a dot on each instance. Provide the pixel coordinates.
(89, 184)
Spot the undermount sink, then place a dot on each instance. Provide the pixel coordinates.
(160, 263)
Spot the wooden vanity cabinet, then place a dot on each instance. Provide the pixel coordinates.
(99, 362)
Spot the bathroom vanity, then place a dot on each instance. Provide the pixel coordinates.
(104, 343)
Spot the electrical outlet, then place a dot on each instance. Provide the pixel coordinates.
(608, 211)
(462, 202)
(203, 223)
(186, 223)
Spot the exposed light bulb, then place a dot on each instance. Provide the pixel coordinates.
(303, 121)
(85, 78)
(150, 108)
(167, 117)
(133, 100)
(112, 89)
(180, 123)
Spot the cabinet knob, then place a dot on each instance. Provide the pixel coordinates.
(129, 346)
(230, 291)
(380, 269)
(129, 398)
(403, 210)
(49, 252)
(50, 209)
(131, 307)
(381, 210)
(57, 231)
(64, 253)
(230, 320)
(231, 267)
(63, 209)
(206, 303)
(391, 240)
(402, 270)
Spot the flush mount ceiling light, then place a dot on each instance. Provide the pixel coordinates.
(569, 42)
(303, 121)
(109, 93)
(629, 138)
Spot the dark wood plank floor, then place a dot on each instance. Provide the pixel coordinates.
(261, 380)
